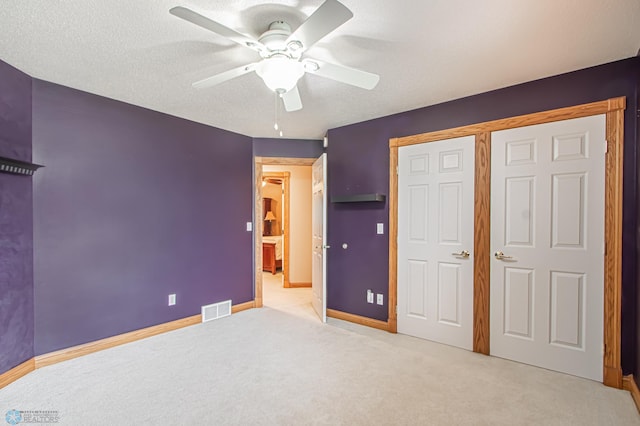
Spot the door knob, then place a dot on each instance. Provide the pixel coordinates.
(500, 255)
(463, 253)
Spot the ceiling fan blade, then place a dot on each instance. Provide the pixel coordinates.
(206, 23)
(291, 100)
(222, 77)
(352, 76)
(329, 16)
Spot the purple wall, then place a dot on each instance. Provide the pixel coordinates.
(287, 148)
(358, 162)
(636, 311)
(133, 205)
(16, 222)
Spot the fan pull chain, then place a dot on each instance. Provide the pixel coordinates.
(275, 125)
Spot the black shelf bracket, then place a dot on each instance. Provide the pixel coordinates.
(359, 198)
(17, 167)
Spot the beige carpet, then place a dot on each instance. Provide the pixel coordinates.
(275, 296)
(279, 366)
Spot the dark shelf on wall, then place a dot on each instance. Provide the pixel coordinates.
(359, 198)
(17, 167)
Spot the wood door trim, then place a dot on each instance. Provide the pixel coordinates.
(258, 225)
(482, 243)
(585, 110)
(286, 264)
(392, 322)
(614, 110)
(282, 161)
(612, 371)
(285, 176)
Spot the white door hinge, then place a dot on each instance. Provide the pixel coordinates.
(606, 146)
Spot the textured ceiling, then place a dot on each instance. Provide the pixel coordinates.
(425, 52)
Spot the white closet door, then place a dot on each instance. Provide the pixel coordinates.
(547, 240)
(435, 241)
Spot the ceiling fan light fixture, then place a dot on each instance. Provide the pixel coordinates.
(280, 73)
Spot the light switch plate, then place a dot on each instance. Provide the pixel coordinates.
(369, 296)
(380, 299)
(249, 226)
(380, 228)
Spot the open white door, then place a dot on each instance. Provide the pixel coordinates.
(319, 237)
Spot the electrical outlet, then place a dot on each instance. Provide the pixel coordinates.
(369, 296)
(172, 299)
(380, 299)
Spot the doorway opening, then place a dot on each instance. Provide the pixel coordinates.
(276, 230)
(282, 270)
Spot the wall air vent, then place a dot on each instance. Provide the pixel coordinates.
(17, 167)
(216, 310)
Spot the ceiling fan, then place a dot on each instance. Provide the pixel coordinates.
(281, 50)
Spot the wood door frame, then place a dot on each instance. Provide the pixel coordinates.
(258, 162)
(284, 199)
(614, 110)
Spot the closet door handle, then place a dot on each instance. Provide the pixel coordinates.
(500, 255)
(463, 253)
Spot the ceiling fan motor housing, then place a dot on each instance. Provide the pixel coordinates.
(275, 38)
